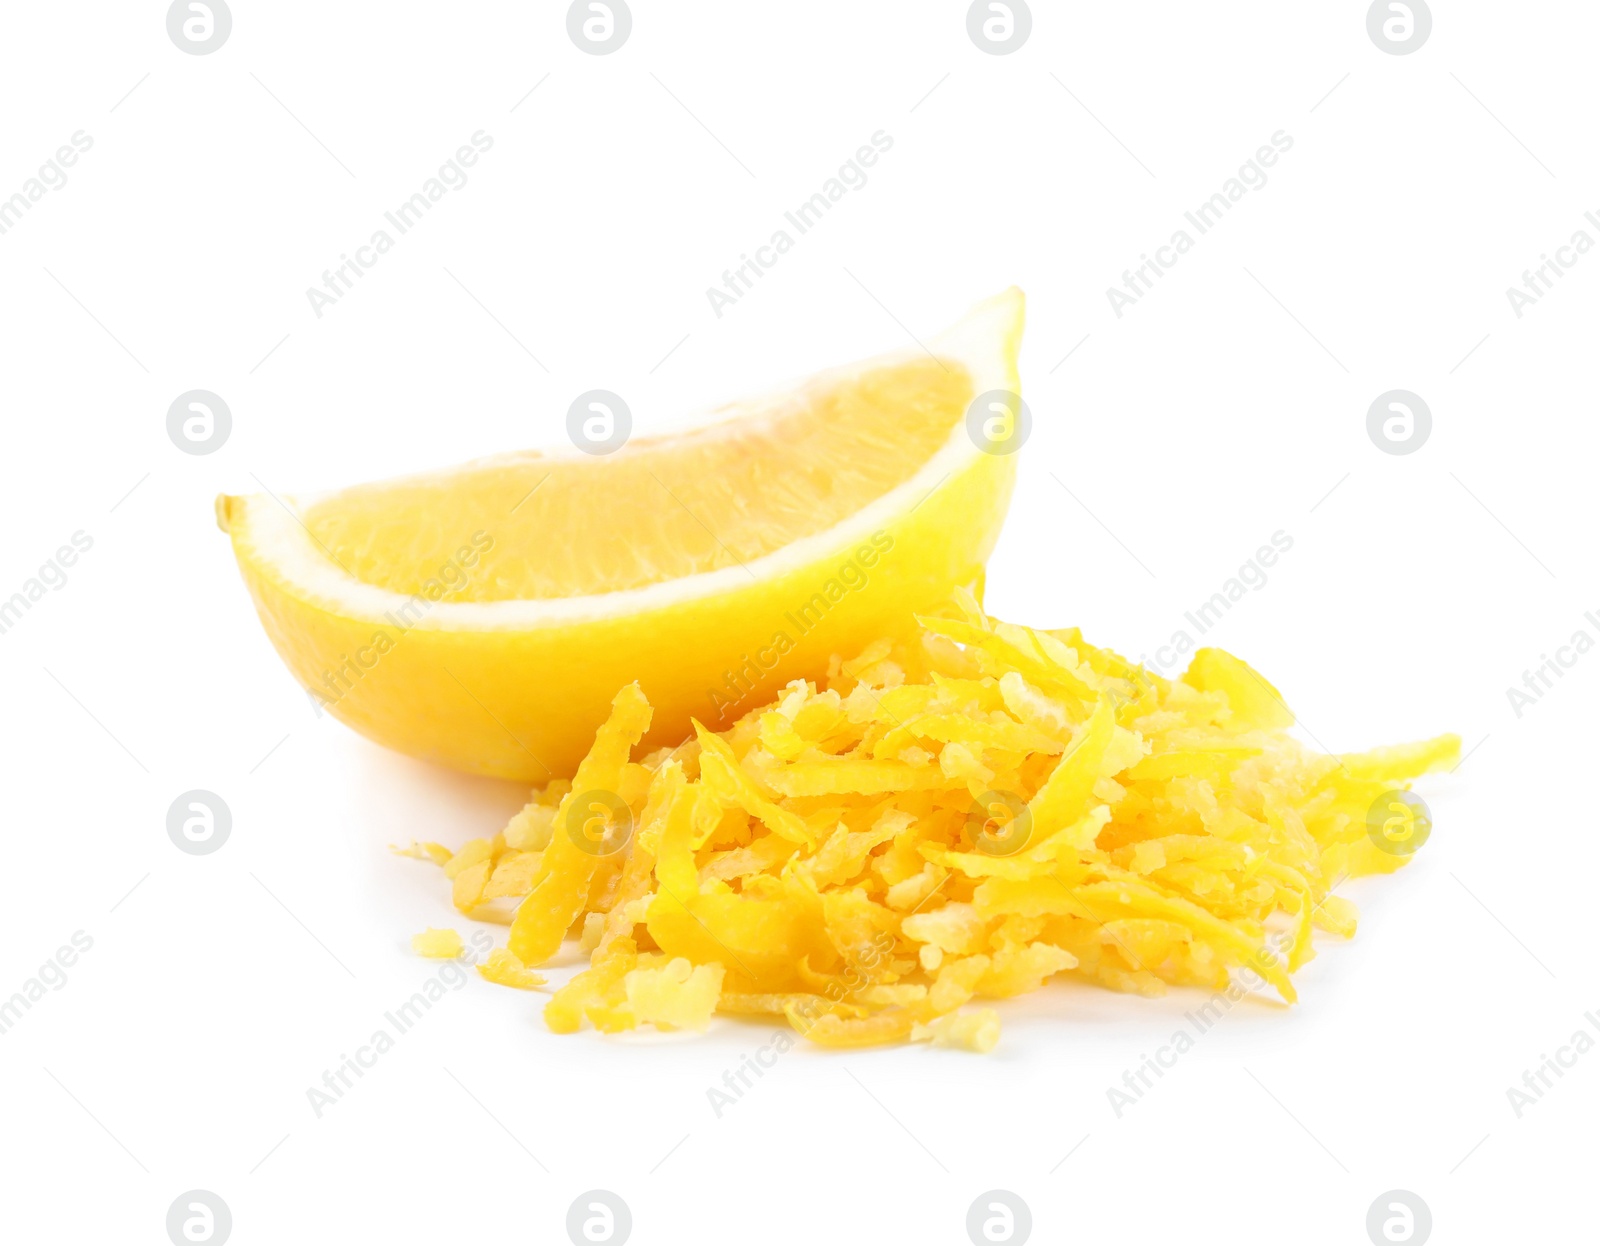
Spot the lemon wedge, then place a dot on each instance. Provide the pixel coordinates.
(483, 617)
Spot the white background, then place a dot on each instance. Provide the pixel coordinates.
(1228, 404)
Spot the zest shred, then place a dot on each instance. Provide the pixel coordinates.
(963, 815)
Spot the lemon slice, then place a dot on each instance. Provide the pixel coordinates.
(483, 617)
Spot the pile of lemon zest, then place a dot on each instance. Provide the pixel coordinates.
(963, 814)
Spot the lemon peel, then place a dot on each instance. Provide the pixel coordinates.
(1049, 809)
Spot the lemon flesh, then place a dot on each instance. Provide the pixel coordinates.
(483, 617)
(656, 510)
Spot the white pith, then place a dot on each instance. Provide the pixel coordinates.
(281, 543)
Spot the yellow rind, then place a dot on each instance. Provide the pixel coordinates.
(522, 701)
